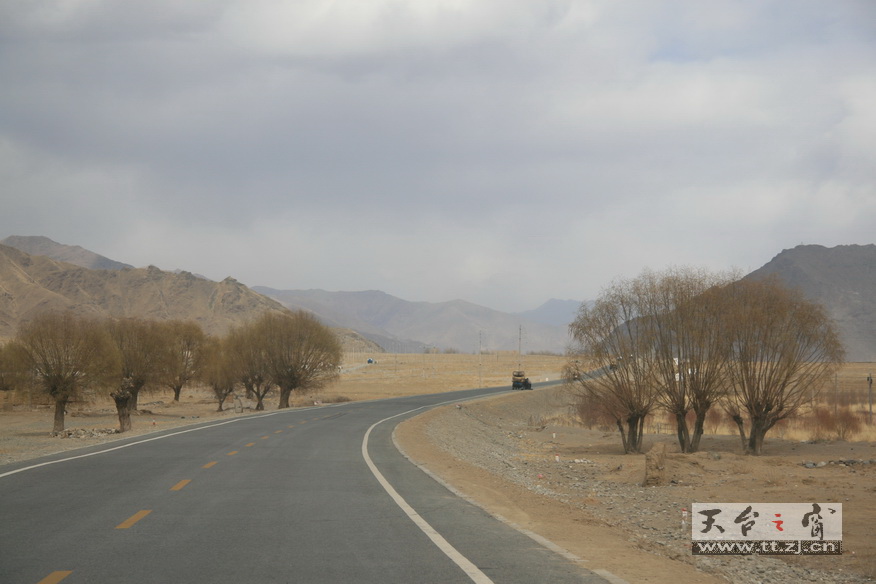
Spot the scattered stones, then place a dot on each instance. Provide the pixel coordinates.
(85, 433)
(847, 462)
(652, 516)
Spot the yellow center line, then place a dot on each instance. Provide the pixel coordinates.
(291, 425)
(232, 453)
(250, 444)
(277, 431)
(209, 464)
(180, 485)
(133, 519)
(265, 437)
(55, 577)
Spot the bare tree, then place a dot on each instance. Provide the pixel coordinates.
(219, 370)
(67, 354)
(684, 316)
(783, 348)
(248, 348)
(12, 366)
(608, 337)
(302, 353)
(184, 345)
(141, 348)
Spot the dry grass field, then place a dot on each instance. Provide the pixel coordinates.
(392, 375)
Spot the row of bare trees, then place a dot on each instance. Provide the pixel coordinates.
(66, 356)
(685, 340)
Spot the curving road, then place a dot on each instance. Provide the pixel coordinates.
(315, 495)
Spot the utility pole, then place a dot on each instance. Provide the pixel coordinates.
(520, 347)
(870, 395)
(480, 345)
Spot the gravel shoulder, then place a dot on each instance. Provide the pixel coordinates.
(502, 453)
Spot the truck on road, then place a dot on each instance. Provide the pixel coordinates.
(519, 380)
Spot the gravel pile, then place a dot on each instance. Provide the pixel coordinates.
(510, 447)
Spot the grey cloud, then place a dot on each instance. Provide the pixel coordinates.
(577, 140)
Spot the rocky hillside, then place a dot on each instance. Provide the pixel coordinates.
(843, 280)
(71, 254)
(33, 283)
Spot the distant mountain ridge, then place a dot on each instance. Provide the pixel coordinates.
(72, 254)
(554, 312)
(843, 280)
(413, 326)
(93, 284)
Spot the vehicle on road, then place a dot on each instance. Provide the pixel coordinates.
(519, 380)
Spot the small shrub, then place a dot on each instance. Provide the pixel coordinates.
(841, 425)
(824, 424)
(846, 424)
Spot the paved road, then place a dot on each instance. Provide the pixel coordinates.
(315, 495)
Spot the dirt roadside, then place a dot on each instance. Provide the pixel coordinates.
(500, 453)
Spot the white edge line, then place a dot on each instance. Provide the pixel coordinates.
(129, 444)
(613, 579)
(531, 534)
(451, 552)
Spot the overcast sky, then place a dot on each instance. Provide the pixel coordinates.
(501, 151)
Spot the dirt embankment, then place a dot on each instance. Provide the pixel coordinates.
(576, 488)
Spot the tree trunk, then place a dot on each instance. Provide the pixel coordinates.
(635, 427)
(60, 412)
(177, 389)
(123, 407)
(124, 397)
(285, 392)
(759, 428)
(641, 433)
(699, 426)
(682, 431)
(740, 424)
(620, 427)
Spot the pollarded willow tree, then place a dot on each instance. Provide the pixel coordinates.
(783, 349)
(184, 347)
(249, 352)
(219, 369)
(302, 354)
(683, 312)
(685, 339)
(66, 354)
(141, 346)
(610, 340)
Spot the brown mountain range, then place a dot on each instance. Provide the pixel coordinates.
(34, 283)
(843, 280)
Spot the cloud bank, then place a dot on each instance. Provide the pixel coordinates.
(503, 152)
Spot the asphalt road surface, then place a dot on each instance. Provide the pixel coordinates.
(309, 495)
